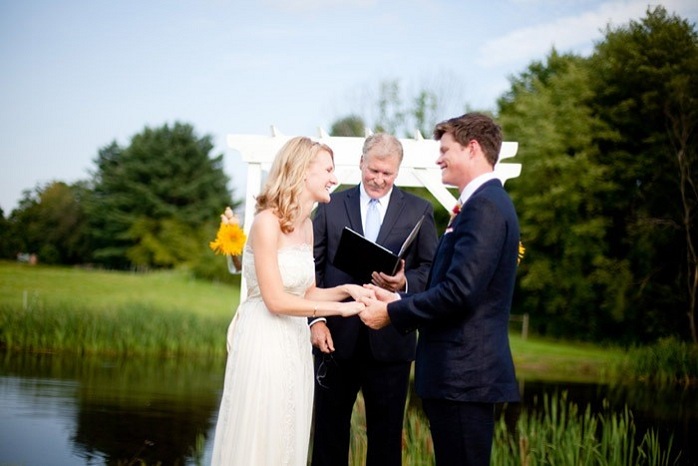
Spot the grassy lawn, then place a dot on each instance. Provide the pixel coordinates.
(551, 360)
(99, 289)
(166, 291)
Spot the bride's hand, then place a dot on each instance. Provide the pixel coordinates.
(358, 292)
(382, 294)
(351, 308)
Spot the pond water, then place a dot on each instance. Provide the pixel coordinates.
(92, 411)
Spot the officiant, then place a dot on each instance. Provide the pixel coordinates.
(349, 357)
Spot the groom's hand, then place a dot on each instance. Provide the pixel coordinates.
(375, 315)
(382, 294)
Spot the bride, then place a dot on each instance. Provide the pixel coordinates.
(266, 406)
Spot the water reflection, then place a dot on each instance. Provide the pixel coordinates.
(96, 411)
(100, 411)
(35, 417)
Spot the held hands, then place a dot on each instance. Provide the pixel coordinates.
(382, 294)
(375, 315)
(358, 292)
(350, 308)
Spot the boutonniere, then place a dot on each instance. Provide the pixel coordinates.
(522, 251)
(454, 212)
(230, 238)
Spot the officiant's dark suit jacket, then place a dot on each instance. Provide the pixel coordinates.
(403, 212)
(463, 352)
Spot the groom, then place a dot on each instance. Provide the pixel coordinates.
(464, 364)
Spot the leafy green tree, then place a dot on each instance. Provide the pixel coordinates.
(607, 197)
(349, 126)
(646, 88)
(392, 109)
(51, 223)
(569, 284)
(156, 201)
(8, 250)
(391, 114)
(425, 105)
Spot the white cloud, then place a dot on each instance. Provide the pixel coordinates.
(570, 34)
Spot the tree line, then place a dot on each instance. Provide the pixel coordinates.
(150, 205)
(607, 197)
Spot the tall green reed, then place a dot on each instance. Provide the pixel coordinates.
(560, 433)
(124, 330)
(557, 433)
(667, 362)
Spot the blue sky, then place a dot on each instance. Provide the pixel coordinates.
(79, 74)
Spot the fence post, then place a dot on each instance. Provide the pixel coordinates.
(524, 327)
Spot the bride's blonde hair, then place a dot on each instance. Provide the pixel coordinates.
(285, 183)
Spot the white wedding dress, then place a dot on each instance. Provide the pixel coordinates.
(266, 406)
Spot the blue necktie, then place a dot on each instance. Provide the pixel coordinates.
(373, 221)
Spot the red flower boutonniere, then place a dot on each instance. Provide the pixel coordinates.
(454, 212)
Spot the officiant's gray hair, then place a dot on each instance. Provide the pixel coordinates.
(382, 145)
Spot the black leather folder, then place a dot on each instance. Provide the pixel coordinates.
(359, 257)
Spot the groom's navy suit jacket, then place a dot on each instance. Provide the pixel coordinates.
(463, 352)
(403, 212)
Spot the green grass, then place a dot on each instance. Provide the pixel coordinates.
(22, 284)
(667, 362)
(111, 309)
(44, 308)
(551, 360)
(58, 309)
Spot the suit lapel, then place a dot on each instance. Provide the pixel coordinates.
(353, 209)
(438, 256)
(395, 206)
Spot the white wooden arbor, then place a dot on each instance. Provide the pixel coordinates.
(418, 166)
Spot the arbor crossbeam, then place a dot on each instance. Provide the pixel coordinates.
(418, 168)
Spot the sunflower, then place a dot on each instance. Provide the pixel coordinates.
(230, 238)
(522, 250)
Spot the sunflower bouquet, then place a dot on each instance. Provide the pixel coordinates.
(230, 239)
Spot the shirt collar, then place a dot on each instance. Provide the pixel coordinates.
(365, 198)
(474, 184)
